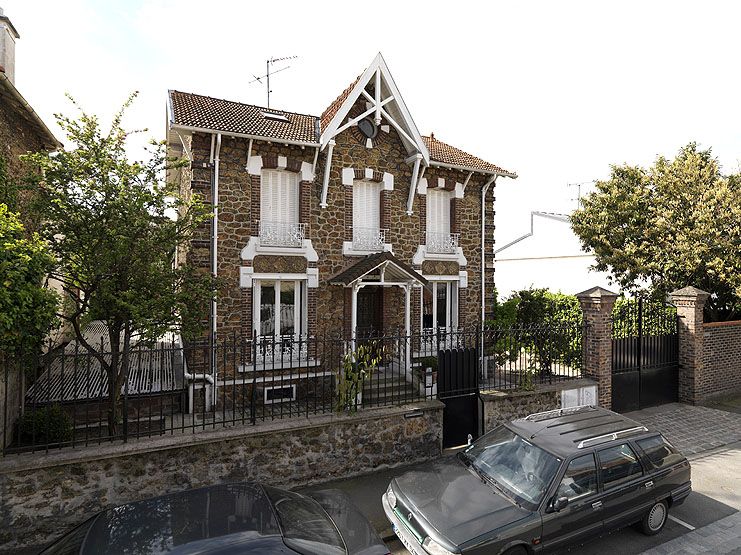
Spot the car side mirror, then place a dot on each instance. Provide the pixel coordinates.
(560, 503)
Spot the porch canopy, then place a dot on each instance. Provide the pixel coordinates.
(382, 269)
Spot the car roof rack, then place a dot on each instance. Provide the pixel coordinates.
(596, 440)
(547, 415)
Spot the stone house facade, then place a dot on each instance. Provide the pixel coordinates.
(343, 224)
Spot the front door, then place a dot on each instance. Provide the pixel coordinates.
(369, 312)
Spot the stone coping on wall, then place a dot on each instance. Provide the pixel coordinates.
(67, 456)
(558, 386)
(721, 324)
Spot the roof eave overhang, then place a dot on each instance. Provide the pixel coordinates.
(193, 129)
(472, 169)
(10, 87)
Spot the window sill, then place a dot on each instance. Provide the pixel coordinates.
(280, 365)
(348, 250)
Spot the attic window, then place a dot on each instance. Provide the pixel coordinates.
(275, 117)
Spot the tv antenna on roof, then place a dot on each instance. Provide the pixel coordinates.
(266, 77)
(578, 190)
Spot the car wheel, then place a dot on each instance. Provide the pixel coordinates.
(655, 519)
(517, 550)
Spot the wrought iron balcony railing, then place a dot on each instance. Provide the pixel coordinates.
(442, 243)
(282, 234)
(368, 238)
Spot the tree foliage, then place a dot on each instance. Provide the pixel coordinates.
(674, 224)
(26, 307)
(111, 226)
(537, 319)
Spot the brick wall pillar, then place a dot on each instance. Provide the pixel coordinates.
(690, 302)
(596, 305)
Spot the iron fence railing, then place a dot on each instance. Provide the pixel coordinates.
(63, 399)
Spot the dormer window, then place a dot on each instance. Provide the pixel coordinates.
(279, 209)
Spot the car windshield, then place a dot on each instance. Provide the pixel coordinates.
(515, 465)
(305, 525)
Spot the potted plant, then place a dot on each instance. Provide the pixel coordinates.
(357, 366)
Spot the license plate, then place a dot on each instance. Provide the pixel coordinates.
(404, 540)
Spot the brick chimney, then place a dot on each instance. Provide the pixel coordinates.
(8, 35)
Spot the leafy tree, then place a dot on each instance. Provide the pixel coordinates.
(26, 307)
(110, 225)
(539, 319)
(674, 224)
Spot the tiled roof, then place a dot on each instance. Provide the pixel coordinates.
(332, 109)
(205, 112)
(369, 263)
(442, 152)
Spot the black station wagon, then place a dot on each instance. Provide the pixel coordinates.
(538, 484)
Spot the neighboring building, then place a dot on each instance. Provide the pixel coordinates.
(347, 223)
(549, 257)
(21, 131)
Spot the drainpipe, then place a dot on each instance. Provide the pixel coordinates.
(485, 190)
(214, 261)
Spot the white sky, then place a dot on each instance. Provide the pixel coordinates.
(556, 91)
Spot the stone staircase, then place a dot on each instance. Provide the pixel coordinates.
(388, 387)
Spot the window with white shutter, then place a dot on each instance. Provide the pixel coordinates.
(279, 196)
(438, 211)
(279, 209)
(366, 216)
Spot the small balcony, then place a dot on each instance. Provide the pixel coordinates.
(442, 243)
(368, 239)
(282, 234)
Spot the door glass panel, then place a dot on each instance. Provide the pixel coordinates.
(618, 464)
(427, 317)
(267, 308)
(580, 478)
(287, 307)
(442, 305)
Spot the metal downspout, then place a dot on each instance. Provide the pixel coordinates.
(214, 263)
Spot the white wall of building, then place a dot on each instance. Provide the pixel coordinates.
(550, 258)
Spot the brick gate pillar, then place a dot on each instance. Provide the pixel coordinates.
(690, 302)
(596, 306)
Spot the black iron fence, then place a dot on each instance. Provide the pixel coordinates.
(63, 398)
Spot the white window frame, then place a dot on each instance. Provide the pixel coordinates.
(451, 309)
(300, 316)
(286, 179)
(281, 399)
(434, 223)
(360, 213)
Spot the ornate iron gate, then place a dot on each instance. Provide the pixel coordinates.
(458, 388)
(645, 354)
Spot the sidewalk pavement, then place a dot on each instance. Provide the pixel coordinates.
(722, 537)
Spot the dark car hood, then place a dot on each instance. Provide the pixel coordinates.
(360, 538)
(455, 501)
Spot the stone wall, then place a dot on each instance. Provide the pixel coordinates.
(721, 355)
(503, 406)
(42, 495)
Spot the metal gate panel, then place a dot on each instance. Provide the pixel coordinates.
(458, 389)
(645, 355)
